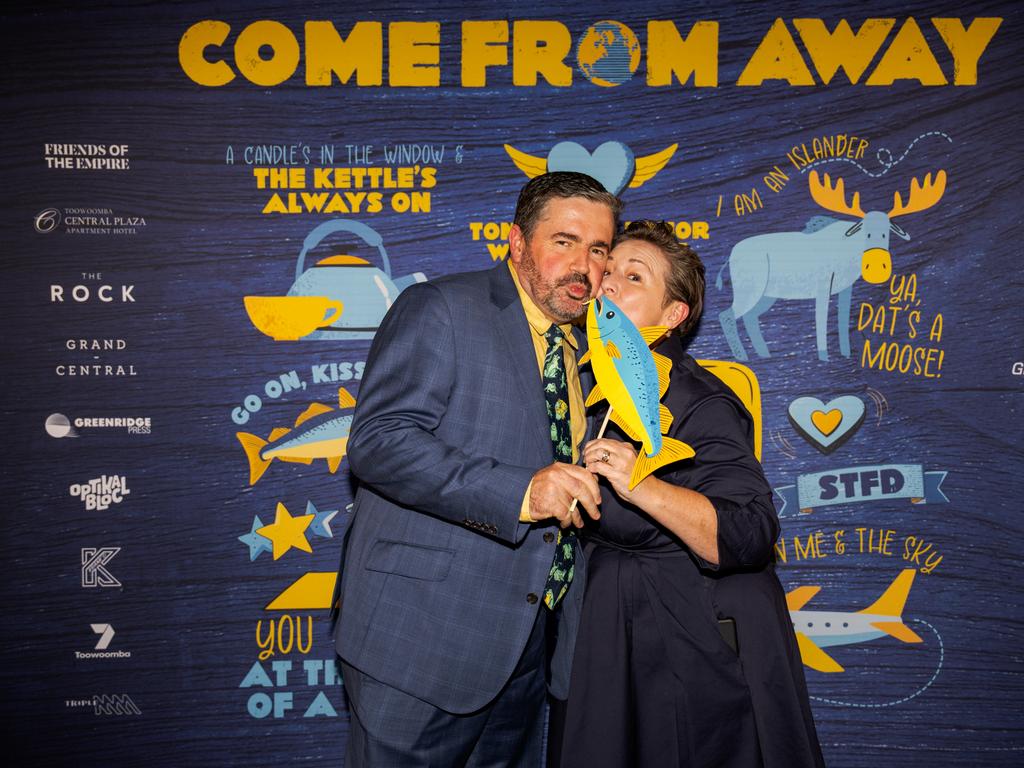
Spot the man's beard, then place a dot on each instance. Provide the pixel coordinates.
(563, 308)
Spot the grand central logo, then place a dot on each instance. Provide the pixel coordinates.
(94, 355)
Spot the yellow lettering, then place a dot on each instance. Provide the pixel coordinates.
(194, 43)
(669, 54)
(966, 45)
(327, 54)
(275, 205)
(776, 58)
(484, 44)
(280, 40)
(414, 53)
(831, 50)
(908, 58)
(540, 48)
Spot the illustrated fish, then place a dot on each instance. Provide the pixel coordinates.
(319, 432)
(633, 380)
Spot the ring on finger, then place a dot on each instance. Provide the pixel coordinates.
(605, 456)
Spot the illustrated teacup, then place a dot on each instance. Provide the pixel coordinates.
(289, 318)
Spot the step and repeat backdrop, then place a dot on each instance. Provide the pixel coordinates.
(209, 207)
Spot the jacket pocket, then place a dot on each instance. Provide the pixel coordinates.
(414, 561)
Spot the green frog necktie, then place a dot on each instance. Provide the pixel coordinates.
(556, 397)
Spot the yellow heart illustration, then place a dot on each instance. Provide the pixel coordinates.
(827, 421)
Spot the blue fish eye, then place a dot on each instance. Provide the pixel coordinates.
(610, 314)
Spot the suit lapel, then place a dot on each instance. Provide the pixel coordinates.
(586, 384)
(515, 334)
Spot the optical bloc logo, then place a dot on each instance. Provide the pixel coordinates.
(101, 492)
(94, 570)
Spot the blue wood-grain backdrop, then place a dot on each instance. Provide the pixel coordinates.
(140, 634)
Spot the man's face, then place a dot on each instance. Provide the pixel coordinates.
(562, 264)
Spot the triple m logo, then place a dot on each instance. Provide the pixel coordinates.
(94, 570)
(106, 704)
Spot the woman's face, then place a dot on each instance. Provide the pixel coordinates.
(635, 278)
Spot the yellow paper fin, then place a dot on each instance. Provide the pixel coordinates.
(311, 591)
(814, 657)
(664, 367)
(895, 597)
(277, 433)
(622, 424)
(333, 462)
(584, 358)
(612, 350)
(345, 399)
(799, 597)
(899, 630)
(252, 446)
(671, 450)
(666, 418)
(652, 333)
(595, 396)
(314, 410)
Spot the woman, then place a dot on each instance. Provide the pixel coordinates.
(686, 654)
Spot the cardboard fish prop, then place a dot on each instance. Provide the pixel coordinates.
(633, 380)
(319, 432)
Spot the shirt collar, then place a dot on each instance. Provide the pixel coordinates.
(538, 321)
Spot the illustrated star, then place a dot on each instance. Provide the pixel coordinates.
(256, 543)
(287, 531)
(321, 525)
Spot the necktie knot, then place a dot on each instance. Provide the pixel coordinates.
(553, 335)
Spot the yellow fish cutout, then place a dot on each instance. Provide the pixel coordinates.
(633, 380)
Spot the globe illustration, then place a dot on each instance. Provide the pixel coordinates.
(608, 53)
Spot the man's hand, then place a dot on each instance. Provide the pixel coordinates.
(553, 489)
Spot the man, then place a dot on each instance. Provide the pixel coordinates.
(451, 585)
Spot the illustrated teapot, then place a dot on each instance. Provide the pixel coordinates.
(366, 291)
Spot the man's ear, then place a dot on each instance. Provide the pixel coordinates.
(516, 244)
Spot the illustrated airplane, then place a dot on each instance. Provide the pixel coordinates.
(820, 629)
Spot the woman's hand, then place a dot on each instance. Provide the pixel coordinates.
(612, 459)
(688, 514)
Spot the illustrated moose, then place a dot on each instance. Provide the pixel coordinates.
(822, 261)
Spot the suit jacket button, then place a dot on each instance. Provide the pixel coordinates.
(549, 537)
(531, 598)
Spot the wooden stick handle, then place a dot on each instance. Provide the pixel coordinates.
(600, 434)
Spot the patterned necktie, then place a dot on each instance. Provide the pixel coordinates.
(556, 397)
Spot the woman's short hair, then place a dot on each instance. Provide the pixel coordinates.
(685, 279)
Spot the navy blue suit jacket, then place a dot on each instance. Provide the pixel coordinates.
(440, 582)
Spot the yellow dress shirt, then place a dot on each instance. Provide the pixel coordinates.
(539, 324)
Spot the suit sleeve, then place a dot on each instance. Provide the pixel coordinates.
(727, 473)
(405, 394)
